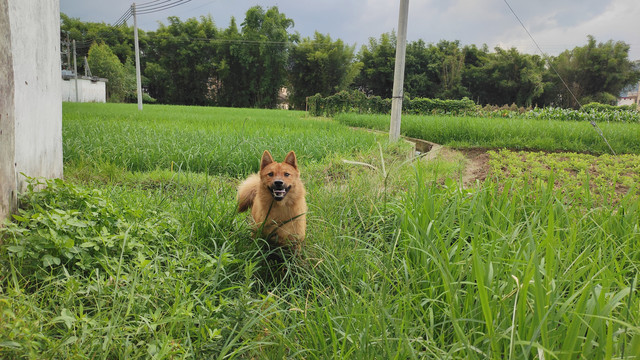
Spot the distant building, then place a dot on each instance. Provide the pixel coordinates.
(630, 97)
(90, 88)
(283, 99)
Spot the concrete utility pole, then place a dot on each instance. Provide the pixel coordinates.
(87, 70)
(398, 74)
(68, 52)
(137, 48)
(75, 69)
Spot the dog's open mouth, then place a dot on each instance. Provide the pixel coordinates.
(279, 194)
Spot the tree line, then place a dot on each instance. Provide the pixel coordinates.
(193, 62)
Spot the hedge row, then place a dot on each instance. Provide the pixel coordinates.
(585, 114)
(357, 102)
(605, 107)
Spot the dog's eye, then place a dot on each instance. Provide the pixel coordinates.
(270, 174)
(286, 174)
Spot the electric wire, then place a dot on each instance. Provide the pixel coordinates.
(127, 14)
(593, 123)
(188, 40)
(152, 4)
(148, 2)
(123, 21)
(203, 5)
(161, 7)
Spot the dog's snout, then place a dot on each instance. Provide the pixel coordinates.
(278, 184)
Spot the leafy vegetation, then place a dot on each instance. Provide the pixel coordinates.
(320, 66)
(518, 134)
(513, 272)
(121, 84)
(592, 113)
(356, 101)
(400, 261)
(582, 179)
(596, 72)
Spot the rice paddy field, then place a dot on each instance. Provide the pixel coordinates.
(140, 253)
(511, 133)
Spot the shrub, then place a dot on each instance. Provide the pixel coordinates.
(356, 101)
(69, 228)
(606, 107)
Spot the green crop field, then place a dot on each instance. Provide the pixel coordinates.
(516, 133)
(197, 139)
(139, 253)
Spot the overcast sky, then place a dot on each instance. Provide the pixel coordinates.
(556, 25)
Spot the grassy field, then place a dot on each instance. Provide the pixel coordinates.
(133, 257)
(195, 139)
(515, 134)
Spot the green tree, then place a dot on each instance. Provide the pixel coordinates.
(510, 77)
(251, 66)
(226, 91)
(474, 78)
(119, 39)
(594, 72)
(180, 61)
(450, 58)
(430, 71)
(421, 71)
(378, 61)
(104, 63)
(320, 66)
(263, 55)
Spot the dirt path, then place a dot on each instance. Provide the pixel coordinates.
(476, 167)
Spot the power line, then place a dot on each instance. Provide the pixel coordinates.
(152, 3)
(158, 8)
(211, 40)
(148, 2)
(203, 5)
(127, 14)
(542, 52)
(593, 123)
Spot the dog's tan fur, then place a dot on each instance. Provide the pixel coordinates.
(283, 221)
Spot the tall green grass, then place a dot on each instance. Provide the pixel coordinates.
(198, 139)
(113, 263)
(517, 134)
(519, 274)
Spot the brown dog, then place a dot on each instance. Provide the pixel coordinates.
(276, 197)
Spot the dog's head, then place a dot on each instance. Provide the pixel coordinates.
(279, 178)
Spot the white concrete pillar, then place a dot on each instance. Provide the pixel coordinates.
(30, 101)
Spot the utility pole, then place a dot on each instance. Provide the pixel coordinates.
(87, 70)
(137, 48)
(68, 52)
(75, 69)
(398, 74)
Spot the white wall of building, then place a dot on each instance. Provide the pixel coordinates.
(627, 101)
(88, 90)
(32, 129)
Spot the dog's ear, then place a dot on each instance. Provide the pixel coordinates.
(266, 159)
(291, 160)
